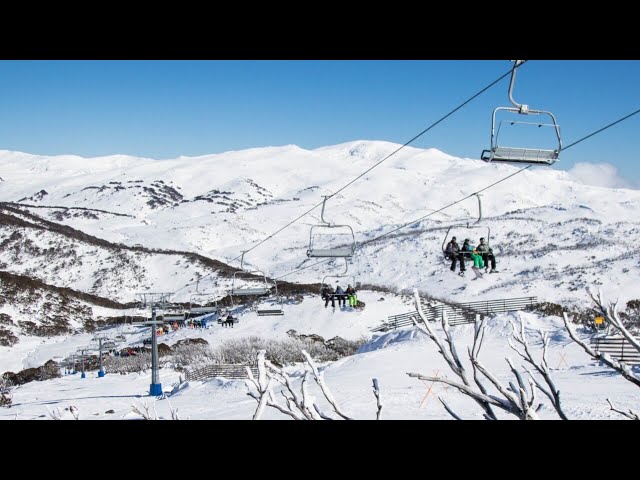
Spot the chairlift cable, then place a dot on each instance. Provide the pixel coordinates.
(467, 197)
(602, 129)
(440, 120)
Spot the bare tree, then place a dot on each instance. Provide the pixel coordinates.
(542, 367)
(74, 412)
(517, 400)
(630, 414)
(174, 412)
(618, 366)
(610, 312)
(299, 405)
(143, 409)
(55, 414)
(376, 392)
(450, 355)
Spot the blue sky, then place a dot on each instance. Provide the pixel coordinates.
(164, 109)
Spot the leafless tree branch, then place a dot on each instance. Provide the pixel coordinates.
(319, 378)
(618, 366)
(470, 392)
(630, 415)
(610, 312)
(376, 392)
(448, 409)
(143, 411)
(450, 354)
(542, 367)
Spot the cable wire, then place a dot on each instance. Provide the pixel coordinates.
(440, 120)
(471, 195)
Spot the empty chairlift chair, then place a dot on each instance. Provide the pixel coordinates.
(272, 312)
(173, 313)
(195, 309)
(237, 287)
(519, 155)
(334, 249)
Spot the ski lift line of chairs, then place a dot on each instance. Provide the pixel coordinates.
(467, 225)
(255, 291)
(338, 251)
(518, 155)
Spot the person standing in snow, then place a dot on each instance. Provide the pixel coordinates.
(487, 255)
(454, 254)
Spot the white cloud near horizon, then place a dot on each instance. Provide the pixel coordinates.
(599, 175)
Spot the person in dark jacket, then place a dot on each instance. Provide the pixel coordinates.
(454, 254)
(230, 320)
(327, 295)
(341, 296)
(487, 255)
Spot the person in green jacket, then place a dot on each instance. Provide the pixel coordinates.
(351, 295)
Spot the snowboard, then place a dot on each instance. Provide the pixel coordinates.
(477, 271)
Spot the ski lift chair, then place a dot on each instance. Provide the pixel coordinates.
(467, 225)
(272, 312)
(519, 155)
(339, 276)
(201, 310)
(173, 313)
(329, 229)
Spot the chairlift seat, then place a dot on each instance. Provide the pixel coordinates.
(172, 317)
(265, 313)
(341, 252)
(520, 155)
(203, 309)
(250, 291)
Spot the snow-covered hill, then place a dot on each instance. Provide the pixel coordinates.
(79, 237)
(554, 234)
(584, 384)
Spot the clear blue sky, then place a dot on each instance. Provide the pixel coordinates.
(163, 109)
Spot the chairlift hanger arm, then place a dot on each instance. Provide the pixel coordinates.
(521, 108)
(322, 212)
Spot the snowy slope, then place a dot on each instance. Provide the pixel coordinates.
(554, 233)
(584, 384)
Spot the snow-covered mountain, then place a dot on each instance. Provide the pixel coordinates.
(95, 225)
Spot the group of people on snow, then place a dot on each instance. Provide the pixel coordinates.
(329, 295)
(482, 255)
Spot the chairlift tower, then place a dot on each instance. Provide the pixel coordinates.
(73, 364)
(101, 341)
(82, 356)
(153, 301)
